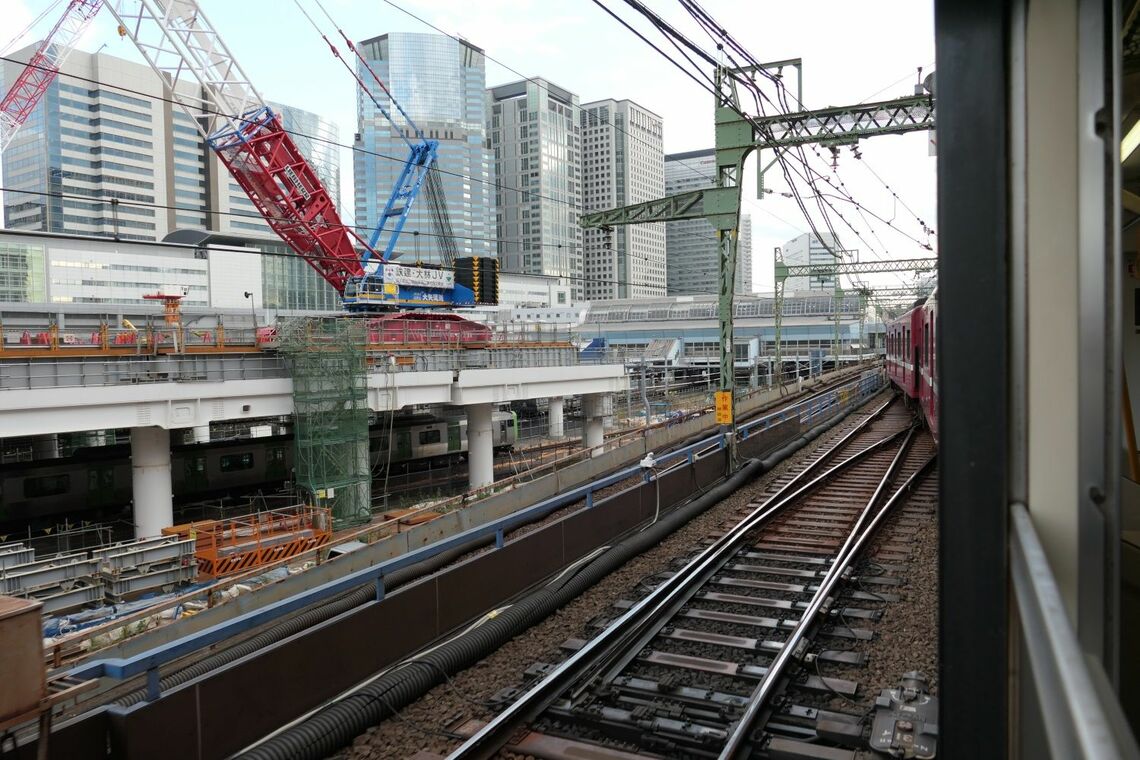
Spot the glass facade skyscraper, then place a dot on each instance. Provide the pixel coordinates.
(691, 250)
(95, 160)
(534, 134)
(809, 249)
(440, 82)
(111, 137)
(622, 164)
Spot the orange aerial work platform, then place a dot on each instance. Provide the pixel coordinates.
(236, 544)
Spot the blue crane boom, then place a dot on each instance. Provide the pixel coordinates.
(382, 280)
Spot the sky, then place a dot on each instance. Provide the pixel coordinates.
(851, 52)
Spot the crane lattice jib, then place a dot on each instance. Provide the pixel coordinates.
(180, 44)
(383, 241)
(42, 67)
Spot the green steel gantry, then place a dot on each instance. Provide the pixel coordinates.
(736, 137)
(784, 271)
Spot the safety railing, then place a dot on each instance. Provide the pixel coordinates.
(28, 374)
(150, 661)
(1077, 718)
(149, 339)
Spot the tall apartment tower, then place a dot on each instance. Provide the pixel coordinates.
(534, 134)
(440, 83)
(622, 163)
(809, 249)
(107, 133)
(692, 253)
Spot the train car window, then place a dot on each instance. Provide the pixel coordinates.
(235, 462)
(430, 436)
(100, 479)
(46, 485)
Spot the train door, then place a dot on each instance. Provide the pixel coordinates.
(908, 359)
(454, 442)
(403, 444)
(101, 485)
(275, 468)
(196, 477)
(917, 369)
(919, 376)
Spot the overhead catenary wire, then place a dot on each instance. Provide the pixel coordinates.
(542, 86)
(668, 30)
(31, 25)
(786, 165)
(496, 184)
(315, 257)
(783, 93)
(357, 149)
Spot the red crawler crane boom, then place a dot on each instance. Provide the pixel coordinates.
(177, 40)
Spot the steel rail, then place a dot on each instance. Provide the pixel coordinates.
(758, 701)
(596, 655)
(651, 624)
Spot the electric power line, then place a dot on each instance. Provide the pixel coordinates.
(257, 217)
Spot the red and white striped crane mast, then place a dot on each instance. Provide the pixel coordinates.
(44, 65)
(181, 45)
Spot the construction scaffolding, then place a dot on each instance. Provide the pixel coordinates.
(330, 414)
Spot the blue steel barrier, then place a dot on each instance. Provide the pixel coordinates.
(809, 411)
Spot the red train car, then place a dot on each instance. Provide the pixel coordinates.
(912, 362)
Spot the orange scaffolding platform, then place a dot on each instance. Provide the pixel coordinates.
(233, 545)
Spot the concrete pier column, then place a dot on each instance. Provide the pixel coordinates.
(593, 421)
(480, 448)
(557, 427)
(152, 488)
(200, 434)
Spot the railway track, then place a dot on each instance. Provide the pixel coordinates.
(725, 655)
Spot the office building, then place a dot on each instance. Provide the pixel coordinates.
(440, 83)
(809, 249)
(103, 154)
(103, 132)
(622, 163)
(692, 252)
(534, 135)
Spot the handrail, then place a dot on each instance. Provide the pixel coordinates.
(375, 531)
(150, 660)
(1078, 721)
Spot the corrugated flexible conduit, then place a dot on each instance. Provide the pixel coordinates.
(339, 723)
(316, 614)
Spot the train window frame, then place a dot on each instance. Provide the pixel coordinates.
(926, 345)
(244, 462)
(429, 437)
(34, 493)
